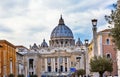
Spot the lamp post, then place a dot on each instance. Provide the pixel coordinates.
(94, 23)
(83, 53)
(86, 42)
(86, 56)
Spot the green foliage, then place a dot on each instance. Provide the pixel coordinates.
(11, 75)
(33, 75)
(114, 18)
(80, 72)
(101, 64)
(115, 32)
(73, 74)
(21, 75)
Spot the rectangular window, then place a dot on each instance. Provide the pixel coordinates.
(107, 41)
(61, 68)
(49, 68)
(65, 69)
(56, 69)
(48, 60)
(30, 63)
(61, 60)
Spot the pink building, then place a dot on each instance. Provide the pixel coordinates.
(106, 47)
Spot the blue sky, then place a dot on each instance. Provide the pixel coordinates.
(24, 22)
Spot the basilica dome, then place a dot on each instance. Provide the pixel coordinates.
(61, 31)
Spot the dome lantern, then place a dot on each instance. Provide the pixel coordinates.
(61, 21)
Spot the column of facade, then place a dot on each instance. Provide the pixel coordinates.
(68, 64)
(52, 43)
(53, 64)
(58, 64)
(34, 65)
(63, 64)
(68, 42)
(27, 67)
(59, 43)
(46, 64)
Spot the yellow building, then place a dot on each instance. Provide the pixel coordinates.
(90, 51)
(7, 58)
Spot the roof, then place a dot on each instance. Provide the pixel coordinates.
(105, 30)
(21, 46)
(6, 42)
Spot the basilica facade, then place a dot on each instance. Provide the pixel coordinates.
(60, 58)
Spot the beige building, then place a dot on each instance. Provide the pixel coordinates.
(20, 64)
(62, 57)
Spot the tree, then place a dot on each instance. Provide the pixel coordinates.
(80, 72)
(20, 75)
(11, 75)
(33, 75)
(101, 64)
(114, 18)
(115, 32)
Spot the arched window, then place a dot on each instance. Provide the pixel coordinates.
(108, 55)
(107, 41)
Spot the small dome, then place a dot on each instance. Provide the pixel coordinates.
(44, 44)
(79, 42)
(61, 31)
(34, 47)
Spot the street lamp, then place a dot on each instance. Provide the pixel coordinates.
(86, 42)
(94, 22)
(87, 57)
(83, 53)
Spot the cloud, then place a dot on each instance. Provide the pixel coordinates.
(30, 21)
(4, 29)
(12, 7)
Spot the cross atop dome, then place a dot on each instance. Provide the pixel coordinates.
(61, 21)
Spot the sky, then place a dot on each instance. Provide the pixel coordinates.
(25, 22)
